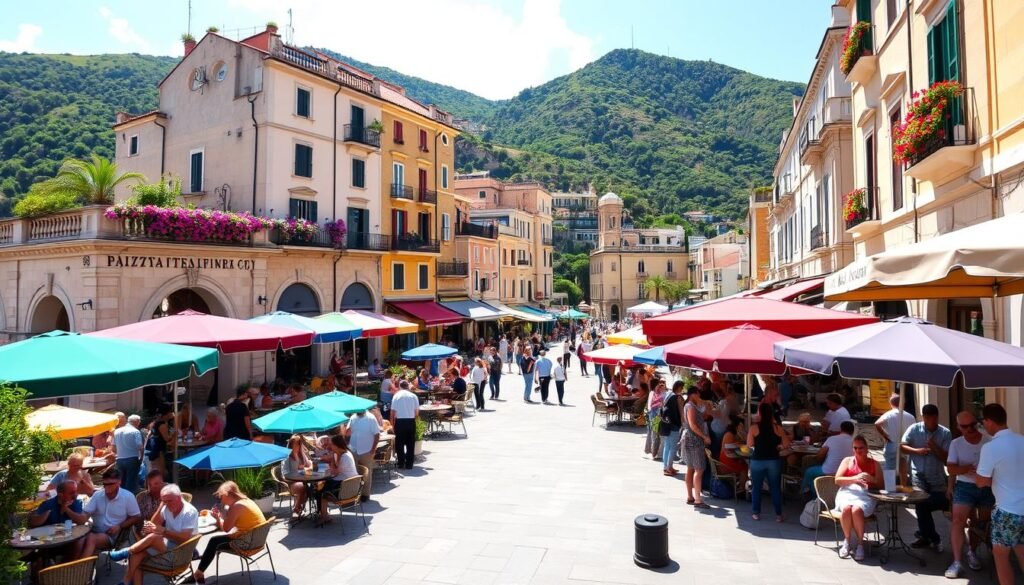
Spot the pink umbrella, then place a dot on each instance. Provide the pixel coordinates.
(745, 349)
(199, 329)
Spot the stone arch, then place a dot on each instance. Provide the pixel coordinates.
(357, 295)
(46, 305)
(310, 299)
(208, 289)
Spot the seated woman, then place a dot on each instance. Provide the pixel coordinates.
(297, 394)
(297, 463)
(640, 404)
(265, 401)
(800, 430)
(375, 371)
(322, 450)
(240, 514)
(186, 421)
(423, 379)
(341, 467)
(855, 477)
(347, 384)
(735, 435)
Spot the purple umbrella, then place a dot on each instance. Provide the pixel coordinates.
(907, 349)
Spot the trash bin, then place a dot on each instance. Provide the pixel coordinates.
(651, 541)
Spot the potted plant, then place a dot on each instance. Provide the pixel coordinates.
(255, 483)
(855, 205)
(376, 126)
(926, 122)
(853, 46)
(421, 430)
(212, 29)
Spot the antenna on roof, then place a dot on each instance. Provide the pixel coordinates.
(188, 29)
(631, 44)
(289, 33)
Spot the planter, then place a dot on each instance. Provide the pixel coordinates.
(418, 449)
(266, 504)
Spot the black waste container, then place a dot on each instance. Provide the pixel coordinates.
(651, 541)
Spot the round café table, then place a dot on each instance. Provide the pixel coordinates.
(893, 540)
(312, 494)
(207, 524)
(44, 537)
(89, 464)
(622, 402)
(434, 417)
(195, 443)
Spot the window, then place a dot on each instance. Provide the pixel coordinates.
(640, 266)
(423, 141)
(446, 227)
(476, 253)
(302, 209)
(444, 139)
(303, 160)
(870, 175)
(613, 266)
(195, 172)
(944, 49)
(398, 276)
(398, 173)
(302, 102)
(133, 145)
(424, 276)
(892, 10)
(444, 176)
(476, 280)
(399, 138)
(358, 173)
(897, 168)
(670, 267)
(483, 195)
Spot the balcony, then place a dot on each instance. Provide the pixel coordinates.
(322, 67)
(545, 241)
(364, 136)
(952, 153)
(838, 112)
(642, 274)
(810, 144)
(368, 241)
(399, 191)
(523, 262)
(428, 196)
(866, 61)
(472, 229)
(869, 218)
(643, 248)
(414, 243)
(455, 268)
(321, 239)
(817, 237)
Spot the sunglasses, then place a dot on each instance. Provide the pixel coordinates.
(113, 483)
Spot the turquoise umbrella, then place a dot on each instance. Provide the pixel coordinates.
(59, 363)
(234, 454)
(652, 357)
(429, 351)
(572, 315)
(340, 402)
(300, 418)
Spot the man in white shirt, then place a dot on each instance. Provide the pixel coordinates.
(363, 434)
(1001, 467)
(961, 463)
(891, 426)
(175, 522)
(112, 510)
(835, 449)
(128, 447)
(405, 410)
(836, 414)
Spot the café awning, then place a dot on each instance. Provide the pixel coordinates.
(516, 313)
(788, 293)
(980, 261)
(535, 311)
(474, 310)
(432, 314)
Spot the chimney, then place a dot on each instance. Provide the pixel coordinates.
(272, 28)
(190, 43)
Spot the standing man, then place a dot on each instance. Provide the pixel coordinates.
(363, 433)
(112, 509)
(128, 447)
(559, 374)
(495, 374)
(544, 367)
(405, 411)
(503, 351)
(891, 426)
(528, 370)
(927, 444)
(1001, 467)
(568, 346)
(964, 453)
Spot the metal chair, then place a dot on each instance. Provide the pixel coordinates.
(80, 572)
(283, 489)
(123, 538)
(384, 459)
(455, 419)
(719, 472)
(826, 489)
(174, 563)
(249, 546)
(347, 497)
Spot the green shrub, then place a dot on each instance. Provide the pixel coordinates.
(36, 203)
(162, 194)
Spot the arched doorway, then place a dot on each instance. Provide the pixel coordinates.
(297, 364)
(615, 312)
(358, 296)
(50, 314)
(181, 300)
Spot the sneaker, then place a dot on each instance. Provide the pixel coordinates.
(844, 551)
(953, 571)
(972, 561)
(937, 547)
(859, 555)
(921, 542)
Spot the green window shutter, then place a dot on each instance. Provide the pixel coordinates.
(934, 56)
(302, 103)
(951, 43)
(358, 173)
(303, 160)
(293, 208)
(864, 10)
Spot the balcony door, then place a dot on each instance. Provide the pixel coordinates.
(422, 181)
(358, 225)
(358, 121)
(424, 225)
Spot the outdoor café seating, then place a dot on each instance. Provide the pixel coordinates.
(347, 497)
(80, 572)
(173, 563)
(249, 546)
(826, 490)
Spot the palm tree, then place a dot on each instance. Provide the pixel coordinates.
(676, 291)
(656, 283)
(89, 182)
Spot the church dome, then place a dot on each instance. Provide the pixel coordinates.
(609, 197)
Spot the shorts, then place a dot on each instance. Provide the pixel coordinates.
(331, 485)
(110, 539)
(1007, 529)
(969, 494)
(153, 552)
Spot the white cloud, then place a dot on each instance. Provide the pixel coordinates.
(121, 30)
(461, 43)
(25, 41)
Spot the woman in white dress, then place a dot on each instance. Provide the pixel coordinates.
(856, 475)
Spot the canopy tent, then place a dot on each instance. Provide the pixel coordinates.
(199, 329)
(907, 349)
(651, 357)
(983, 260)
(323, 331)
(300, 418)
(234, 454)
(613, 354)
(432, 314)
(474, 310)
(517, 314)
(650, 307)
(70, 423)
(572, 315)
(790, 319)
(428, 351)
(631, 336)
(535, 311)
(788, 293)
(69, 364)
(340, 402)
(373, 324)
(744, 349)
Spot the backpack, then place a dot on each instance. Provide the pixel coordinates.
(809, 517)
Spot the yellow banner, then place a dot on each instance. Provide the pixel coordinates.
(881, 390)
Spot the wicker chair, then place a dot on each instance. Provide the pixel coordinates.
(719, 472)
(600, 409)
(249, 546)
(826, 489)
(186, 497)
(384, 459)
(83, 451)
(347, 497)
(455, 419)
(282, 488)
(80, 572)
(174, 563)
(459, 403)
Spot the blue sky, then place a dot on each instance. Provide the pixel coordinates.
(494, 48)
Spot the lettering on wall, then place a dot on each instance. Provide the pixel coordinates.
(179, 262)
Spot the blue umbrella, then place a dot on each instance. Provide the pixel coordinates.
(234, 454)
(300, 418)
(652, 357)
(429, 351)
(341, 402)
(325, 331)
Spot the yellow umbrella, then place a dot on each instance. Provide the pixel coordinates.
(632, 336)
(70, 423)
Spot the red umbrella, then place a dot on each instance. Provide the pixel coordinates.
(790, 319)
(194, 328)
(746, 349)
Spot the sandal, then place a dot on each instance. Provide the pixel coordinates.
(690, 501)
(702, 506)
(755, 516)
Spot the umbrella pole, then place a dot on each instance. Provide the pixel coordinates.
(899, 437)
(746, 398)
(173, 470)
